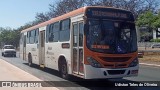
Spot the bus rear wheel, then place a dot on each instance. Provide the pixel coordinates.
(63, 70)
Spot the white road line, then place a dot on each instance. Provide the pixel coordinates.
(150, 64)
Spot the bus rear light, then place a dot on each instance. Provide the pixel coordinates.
(93, 62)
(134, 62)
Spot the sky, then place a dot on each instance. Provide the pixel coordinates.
(16, 13)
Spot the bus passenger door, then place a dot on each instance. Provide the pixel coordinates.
(78, 67)
(42, 48)
(24, 47)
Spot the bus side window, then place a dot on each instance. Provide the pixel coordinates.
(51, 37)
(36, 35)
(81, 34)
(53, 32)
(47, 34)
(65, 30)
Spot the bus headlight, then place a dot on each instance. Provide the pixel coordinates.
(93, 62)
(134, 62)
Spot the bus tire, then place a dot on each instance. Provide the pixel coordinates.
(30, 59)
(63, 69)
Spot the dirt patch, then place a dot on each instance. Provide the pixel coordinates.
(151, 59)
(150, 55)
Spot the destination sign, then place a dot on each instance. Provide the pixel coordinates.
(109, 13)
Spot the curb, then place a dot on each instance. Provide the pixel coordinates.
(150, 64)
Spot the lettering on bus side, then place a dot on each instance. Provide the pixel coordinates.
(49, 48)
(33, 49)
(49, 53)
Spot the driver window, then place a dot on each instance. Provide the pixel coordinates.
(125, 34)
(95, 31)
(125, 31)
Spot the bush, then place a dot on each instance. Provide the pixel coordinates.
(155, 40)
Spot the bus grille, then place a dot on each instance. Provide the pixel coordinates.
(115, 72)
(115, 59)
(115, 65)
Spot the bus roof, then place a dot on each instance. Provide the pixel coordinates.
(64, 16)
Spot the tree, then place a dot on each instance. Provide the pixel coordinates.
(149, 20)
(41, 17)
(156, 24)
(64, 6)
(9, 36)
(146, 19)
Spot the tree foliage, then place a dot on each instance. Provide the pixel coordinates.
(149, 19)
(156, 24)
(9, 36)
(63, 6)
(146, 19)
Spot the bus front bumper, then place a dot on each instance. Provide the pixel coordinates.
(102, 73)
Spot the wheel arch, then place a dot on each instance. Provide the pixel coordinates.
(60, 59)
(29, 54)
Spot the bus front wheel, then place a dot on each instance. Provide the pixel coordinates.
(29, 59)
(63, 70)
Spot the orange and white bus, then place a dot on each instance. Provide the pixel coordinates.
(91, 42)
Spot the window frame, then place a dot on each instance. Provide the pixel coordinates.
(53, 30)
(61, 39)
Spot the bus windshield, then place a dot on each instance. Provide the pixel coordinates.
(106, 36)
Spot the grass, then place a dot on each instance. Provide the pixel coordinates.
(151, 56)
(154, 58)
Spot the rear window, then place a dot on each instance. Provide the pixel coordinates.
(8, 47)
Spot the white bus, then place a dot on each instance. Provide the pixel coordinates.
(91, 42)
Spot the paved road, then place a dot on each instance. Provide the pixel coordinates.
(146, 73)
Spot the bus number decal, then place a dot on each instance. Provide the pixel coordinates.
(100, 46)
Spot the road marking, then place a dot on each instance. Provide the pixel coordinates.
(150, 64)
